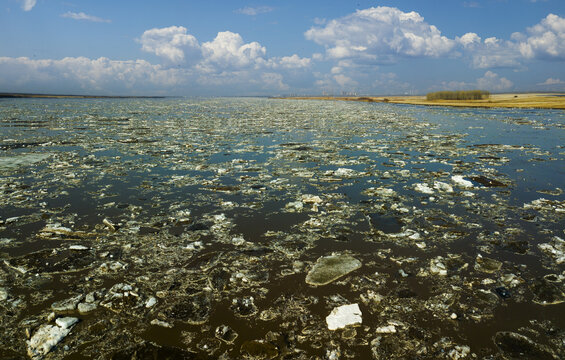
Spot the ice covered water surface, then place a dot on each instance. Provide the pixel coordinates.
(231, 228)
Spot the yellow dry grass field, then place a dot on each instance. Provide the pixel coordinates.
(528, 100)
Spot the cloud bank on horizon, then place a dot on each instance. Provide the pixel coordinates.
(362, 51)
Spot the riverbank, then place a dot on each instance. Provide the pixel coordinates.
(526, 100)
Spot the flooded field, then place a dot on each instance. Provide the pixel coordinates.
(262, 229)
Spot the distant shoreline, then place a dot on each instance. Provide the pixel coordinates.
(521, 100)
(57, 96)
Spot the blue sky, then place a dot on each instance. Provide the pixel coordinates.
(281, 47)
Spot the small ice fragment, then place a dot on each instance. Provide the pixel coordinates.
(109, 224)
(238, 240)
(311, 199)
(437, 267)
(295, 205)
(458, 180)
(423, 188)
(151, 302)
(86, 307)
(344, 172)
(441, 186)
(380, 191)
(161, 323)
(66, 322)
(343, 316)
(3, 294)
(389, 329)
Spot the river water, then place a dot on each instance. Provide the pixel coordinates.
(133, 228)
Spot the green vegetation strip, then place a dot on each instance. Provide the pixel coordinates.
(458, 95)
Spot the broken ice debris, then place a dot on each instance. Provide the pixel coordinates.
(444, 187)
(343, 316)
(389, 329)
(380, 191)
(330, 268)
(555, 249)
(437, 267)
(86, 307)
(66, 322)
(345, 172)
(458, 180)
(423, 188)
(47, 336)
(109, 224)
(311, 199)
(13, 162)
(259, 349)
(546, 205)
(67, 304)
(487, 265)
(152, 301)
(226, 334)
(244, 306)
(547, 292)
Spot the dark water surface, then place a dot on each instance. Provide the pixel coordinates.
(186, 228)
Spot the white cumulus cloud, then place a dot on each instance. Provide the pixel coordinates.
(492, 82)
(228, 50)
(469, 40)
(27, 5)
(171, 43)
(546, 40)
(81, 73)
(381, 34)
(543, 41)
(495, 53)
(292, 62)
(552, 81)
(83, 16)
(273, 81)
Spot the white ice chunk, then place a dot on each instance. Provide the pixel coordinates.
(458, 180)
(389, 329)
(66, 322)
(423, 188)
(444, 187)
(343, 316)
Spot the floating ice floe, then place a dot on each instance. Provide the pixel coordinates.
(443, 187)
(460, 181)
(345, 172)
(388, 329)
(47, 336)
(331, 268)
(437, 267)
(423, 188)
(343, 316)
(14, 162)
(380, 191)
(555, 249)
